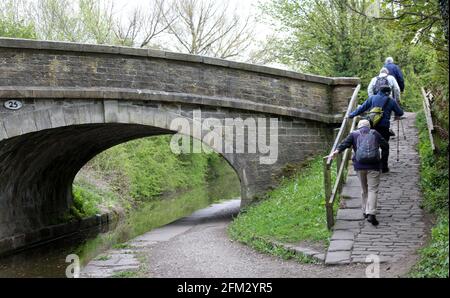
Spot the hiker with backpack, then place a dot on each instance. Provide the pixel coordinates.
(384, 78)
(380, 107)
(395, 71)
(366, 144)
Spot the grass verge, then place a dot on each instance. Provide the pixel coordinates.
(434, 258)
(293, 212)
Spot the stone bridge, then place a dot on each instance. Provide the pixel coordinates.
(78, 100)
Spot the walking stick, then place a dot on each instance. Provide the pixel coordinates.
(398, 139)
(403, 129)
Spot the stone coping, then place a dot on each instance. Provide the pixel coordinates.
(22, 92)
(13, 244)
(128, 51)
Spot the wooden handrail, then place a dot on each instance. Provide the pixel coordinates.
(343, 165)
(429, 119)
(350, 107)
(332, 191)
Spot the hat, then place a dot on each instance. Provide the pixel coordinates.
(384, 70)
(363, 123)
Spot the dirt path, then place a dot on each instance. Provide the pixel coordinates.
(198, 246)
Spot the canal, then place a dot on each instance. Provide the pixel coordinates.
(49, 260)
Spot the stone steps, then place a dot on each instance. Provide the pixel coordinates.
(402, 228)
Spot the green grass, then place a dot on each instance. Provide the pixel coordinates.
(293, 212)
(125, 274)
(434, 258)
(103, 258)
(121, 246)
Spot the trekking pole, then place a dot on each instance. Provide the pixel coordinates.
(398, 139)
(403, 129)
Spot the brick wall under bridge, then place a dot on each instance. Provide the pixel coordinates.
(79, 100)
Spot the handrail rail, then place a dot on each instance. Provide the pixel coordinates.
(342, 163)
(429, 119)
(350, 107)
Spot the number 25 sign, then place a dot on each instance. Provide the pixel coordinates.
(13, 104)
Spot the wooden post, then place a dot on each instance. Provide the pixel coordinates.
(338, 166)
(429, 119)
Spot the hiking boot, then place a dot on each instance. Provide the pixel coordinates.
(372, 219)
(365, 215)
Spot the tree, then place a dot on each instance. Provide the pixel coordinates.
(75, 21)
(204, 27)
(144, 24)
(13, 20)
(325, 37)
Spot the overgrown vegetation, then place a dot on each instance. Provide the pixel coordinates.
(139, 171)
(434, 258)
(293, 212)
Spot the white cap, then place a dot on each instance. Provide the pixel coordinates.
(363, 123)
(384, 70)
(389, 60)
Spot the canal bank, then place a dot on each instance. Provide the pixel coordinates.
(49, 259)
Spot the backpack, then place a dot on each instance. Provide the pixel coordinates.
(367, 148)
(376, 114)
(381, 81)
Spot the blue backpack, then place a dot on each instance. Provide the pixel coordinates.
(367, 147)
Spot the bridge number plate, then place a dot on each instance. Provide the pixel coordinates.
(13, 104)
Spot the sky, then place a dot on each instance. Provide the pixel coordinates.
(244, 7)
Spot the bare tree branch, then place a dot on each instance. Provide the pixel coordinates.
(206, 27)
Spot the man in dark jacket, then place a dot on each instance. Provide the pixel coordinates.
(368, 173)
(379, 100)
(396, 72)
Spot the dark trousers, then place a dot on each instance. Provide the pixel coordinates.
(384, 132)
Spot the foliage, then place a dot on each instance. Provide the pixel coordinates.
(327, 38)
(434, 258)
(433, 172)
(146, 168)
(338, 38)
(85, 201)
(295, 211)
(12, 24)
(434, 181)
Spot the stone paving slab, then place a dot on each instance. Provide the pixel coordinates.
(402, 227)
(349, 214)
(352, 203)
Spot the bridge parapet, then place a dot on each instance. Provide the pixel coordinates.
(46, 65)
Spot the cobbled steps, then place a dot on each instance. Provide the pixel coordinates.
(402, 227)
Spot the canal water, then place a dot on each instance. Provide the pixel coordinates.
(49, 260)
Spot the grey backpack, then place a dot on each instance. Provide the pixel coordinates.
(367, 147)
(381, 81)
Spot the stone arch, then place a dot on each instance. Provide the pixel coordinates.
(41, 158)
